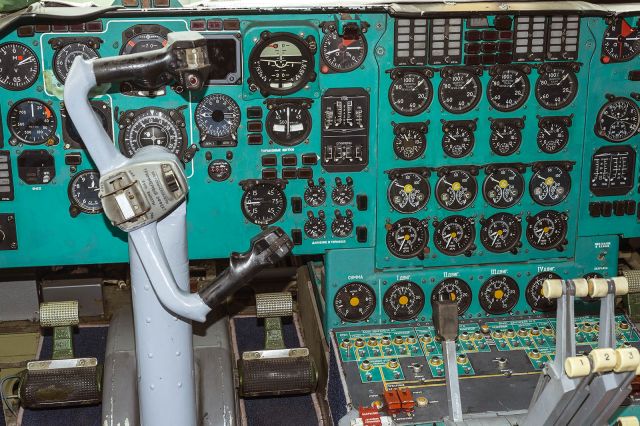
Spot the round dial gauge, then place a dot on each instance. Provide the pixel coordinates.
(32, 122)
(407, 237)
(547, 229)
(505, 139)
(83, 191)
(315, 227)
(342, 194)
(101, 111)
(456, 190)
(619, 42)
(550, 185)
(533, 293)
(315, 195)
(501, 233)
(409, 144)
(499, 294)
(454, 235)
(618, 120)
(219, 170)
(410, 93)
(453, 289)
(19, 66)
(218, 115)
(263, 203)
(288, 124)
(281, 64)
(458, 141)
(508, 89)
(403, 301)
(342, 226)
(343, 54)
(503, 187)
(64, 57)
(145, 42)
(553, 136)
(409, 192)
(459, 91)
(556, 88)
(152, 127)
(354, 302)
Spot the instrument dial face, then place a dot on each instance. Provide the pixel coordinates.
(403, 301)
(552, 137)
(218, 115)
(456, 190)
(219, 170)
(409, 144)
(281, 64)
(534, 296)
(505, 139)
(83, 191)
(458, 141)
(454, 235)
(550, 185)
(354, 302)
(503, 188)
(556, 88)
(508, 89)
(144, 42)
(409, 192)
(459, 91)
(288, 124)
(315, 195)
(342, 194)
(263, 203)
(343, 54)
(453, 289)
(64, 57)
(32, 122)
(152, 127)
(620, 42)
(499, 294)
(410, 93)
(315, 227)
(342, 226)
(547, 229)
(618, 120)
(501, 232)
(407, 237)
(19, 66)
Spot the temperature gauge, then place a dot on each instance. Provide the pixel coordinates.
(503, 187)
(403, 301)
(453, 289)
(534, 296)
(499, 294)
(456, 190)
(410, 142)
(409, 191)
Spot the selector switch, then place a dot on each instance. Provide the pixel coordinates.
(296, 204)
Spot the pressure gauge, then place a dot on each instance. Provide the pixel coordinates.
(534, 296)
(456, 190)
(503, 187)
(407, 237)
(454, 235)
(501, 233)
(547, 230)
(550, 185)
(553, 136)
(458, 139)
(408, 192)
(409, 143)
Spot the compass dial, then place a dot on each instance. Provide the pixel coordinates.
(503, 187)
(550, 185)
(547, 230)
(403, 301)
(407, 237)
(453, 289)
(218, 117)
(456, 190)
(454, 235)
(499, 294)
(408, 192)
(354, 302)
(534, 296)
(501, 233)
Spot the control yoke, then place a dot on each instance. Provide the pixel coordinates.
(151, 187)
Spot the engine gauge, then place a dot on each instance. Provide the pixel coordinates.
(410, 93)
(506, 137)
(553, 136)
(508, 88)
(408, 192)
(503, 187)
(501, 233)
(453, 289)
(343, 53)
(64, 57)
(499, 294)
(342, 225)
(315, 227)
(556, 87)
(19, 66)
(533, 293)
(455, 235)
(619, 42)
(549, 185)
(281, 63)
(288, 124)
(152, 126)
(456, 189)
(354, 302)
(458, 139)
(618, 120)
(547, 230)
(403, 301)
(83, 192)
(407, 237)
(263, 203)
(218, 118)
(460, 90)
(342, 193)
(32, 122)
(315, 195)
(409, 143)
(219, 170)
